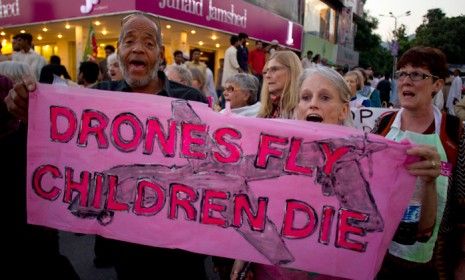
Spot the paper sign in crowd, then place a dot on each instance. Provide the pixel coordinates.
(170, 173)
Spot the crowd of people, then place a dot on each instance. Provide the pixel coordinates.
(265, 83)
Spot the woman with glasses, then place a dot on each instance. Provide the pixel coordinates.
(421, 74)
(280, 76)
(241, 93)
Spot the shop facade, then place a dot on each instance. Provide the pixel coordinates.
(329, 29)
(61, 27)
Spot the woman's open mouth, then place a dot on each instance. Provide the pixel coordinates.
(314, 118)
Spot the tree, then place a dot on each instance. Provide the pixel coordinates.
(402, 39)
(369, 46)
(443, 33)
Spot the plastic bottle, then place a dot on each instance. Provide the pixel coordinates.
(408, 228)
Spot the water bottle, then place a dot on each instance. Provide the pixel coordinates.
(408, 228)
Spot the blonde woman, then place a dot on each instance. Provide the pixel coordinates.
(279, 92)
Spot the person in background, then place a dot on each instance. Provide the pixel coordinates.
(195, 63)
(24, 52)
(455, 92)
(179, 74)
(34, 248)
(421, 72)
(278, 95)
(243, 52)
(384, 88)
(367, 91)
(316, 59)
(241, 92)
(460, 109)
(88, 74)
(103, 65)
(54, 68)
(231, 66)
(2, 56)
(257, 59)
(139, 47)
(114, 71)
(272, 47)
(178, 58)
(307, 60)
(438, 100)
(353, 80)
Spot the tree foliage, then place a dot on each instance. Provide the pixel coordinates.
(369, 46)
(444, 33)
(404, 43)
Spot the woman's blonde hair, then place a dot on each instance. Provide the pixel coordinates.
(289, 96)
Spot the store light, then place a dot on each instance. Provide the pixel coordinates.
(217, 45)
(39, 38)
(22, 31)
(97, 23)
(193, 31)
(104, 32)
(200, 43)
(45, 29)
(2, 33)
(102, 45)
(4, 41)
(214, 37)
(60, 35)
(67, 26)
(46, 47)
(168, 26)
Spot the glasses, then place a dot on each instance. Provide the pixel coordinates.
(231, 89)
(414, 76)
(273, 69)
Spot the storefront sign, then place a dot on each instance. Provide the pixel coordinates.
(9, 9)
(18, 12)
(233, 16)
(159, 171)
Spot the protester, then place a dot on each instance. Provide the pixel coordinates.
(354, 81)
(243, 52)
(139, 47)
(421, 74)
(257, 60)
(241, 92)
(231, 66)
(179, 74)
(455, 92)
(54, 68)
(88, 74)
(103, 65)
(368, 91)
(178, 58)
(114, 70)
(278, 95)
(33, 248)
(307, 60)
(460, 110)
(24, 52)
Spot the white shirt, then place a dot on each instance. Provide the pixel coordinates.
(455, 92)
(31, 58)
(231, 66)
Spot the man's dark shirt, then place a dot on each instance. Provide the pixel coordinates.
(132, 261)
(243, 58)
(170, 89)
(46, 74)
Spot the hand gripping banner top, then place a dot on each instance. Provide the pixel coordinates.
(170, 173)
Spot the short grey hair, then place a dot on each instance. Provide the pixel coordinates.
(246, 82)
(331, 75)
(15, 70)
(335, 79)
(111, 59)
(184, 74)
(139, 14)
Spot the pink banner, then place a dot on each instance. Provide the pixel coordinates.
(159, 171)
